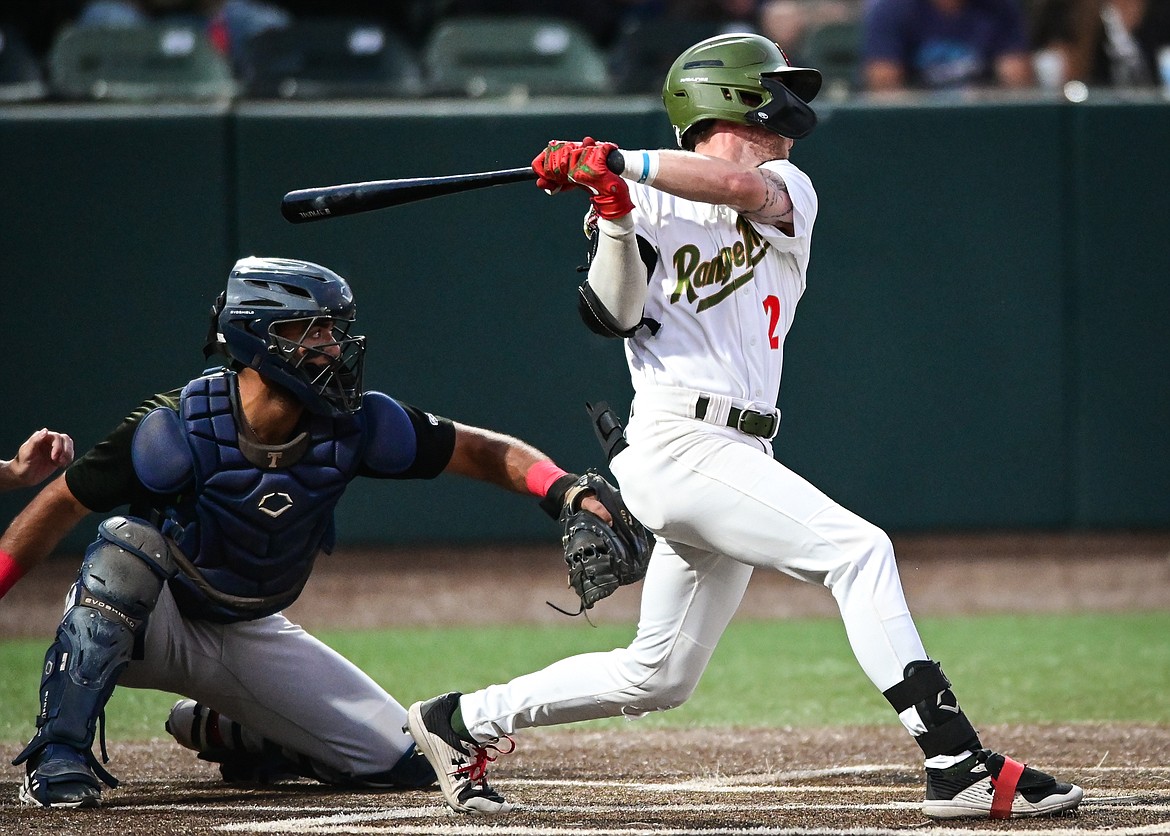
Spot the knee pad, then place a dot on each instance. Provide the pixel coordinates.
(127, 565)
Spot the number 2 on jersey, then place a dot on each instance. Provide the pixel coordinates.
(772, 309)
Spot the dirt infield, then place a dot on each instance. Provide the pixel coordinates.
(775, 781)
(856, 780)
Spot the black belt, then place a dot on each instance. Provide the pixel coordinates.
(760, 424)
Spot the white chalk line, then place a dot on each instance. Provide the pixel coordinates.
(397, 821)
(350, 825)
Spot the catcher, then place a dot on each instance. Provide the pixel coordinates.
(231, 483)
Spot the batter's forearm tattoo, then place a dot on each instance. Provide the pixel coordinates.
(777, 206)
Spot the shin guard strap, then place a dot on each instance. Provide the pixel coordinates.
(924, 685)
(950, 738)
(1005, 788)
(927, 690)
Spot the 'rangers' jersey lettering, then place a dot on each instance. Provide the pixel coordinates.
(731, 268)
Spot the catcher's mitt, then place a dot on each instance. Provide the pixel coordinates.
(601, 556)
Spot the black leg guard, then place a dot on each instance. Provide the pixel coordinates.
(246, 757)
(927, 690)
(118, 586)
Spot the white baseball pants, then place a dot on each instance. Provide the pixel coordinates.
(720, 506)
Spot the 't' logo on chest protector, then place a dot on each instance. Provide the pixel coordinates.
(732, 267)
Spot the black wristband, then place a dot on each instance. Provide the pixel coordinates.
(555, 498)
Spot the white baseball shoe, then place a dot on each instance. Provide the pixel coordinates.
(988, 785)
(461, 766)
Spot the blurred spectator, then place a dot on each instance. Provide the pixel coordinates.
(229, 23)
(600, 18)
(788, 22)
(945, 44)
(1102, 42)
(730, 15)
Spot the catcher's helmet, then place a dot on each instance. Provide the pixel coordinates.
(742, 78)
(264, 292)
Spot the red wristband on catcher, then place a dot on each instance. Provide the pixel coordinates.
(541, 477)
(10, 573)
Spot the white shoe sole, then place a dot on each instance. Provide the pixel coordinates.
(28, 799)
(975, 803)
(440, 755)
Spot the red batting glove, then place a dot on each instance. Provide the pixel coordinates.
(611, 194)
(552, 166)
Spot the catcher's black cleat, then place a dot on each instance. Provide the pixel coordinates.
(988, 785)
(59, 776)
(242, 758)
(461, 767)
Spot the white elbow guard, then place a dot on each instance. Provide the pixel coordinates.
(617, 275)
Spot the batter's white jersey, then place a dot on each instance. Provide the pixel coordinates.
(725, 290)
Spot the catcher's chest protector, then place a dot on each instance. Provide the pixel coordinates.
(254, 532)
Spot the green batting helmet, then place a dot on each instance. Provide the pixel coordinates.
(743, 78)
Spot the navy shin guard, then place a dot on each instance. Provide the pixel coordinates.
(119, 584)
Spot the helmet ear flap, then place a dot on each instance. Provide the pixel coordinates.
(785, 113)
(214, 343)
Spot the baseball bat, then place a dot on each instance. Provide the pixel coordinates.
(323, 202)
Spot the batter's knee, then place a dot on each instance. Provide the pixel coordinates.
(863, 545)
(662, 684)
(880, 544)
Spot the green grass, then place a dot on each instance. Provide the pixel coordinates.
(1006, 669)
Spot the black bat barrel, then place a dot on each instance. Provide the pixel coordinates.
(321, 203)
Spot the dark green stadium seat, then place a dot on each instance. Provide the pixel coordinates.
(330, 58)
(643, 51)
(22, 77)
(151, 62)
(498, 56)
(835, 50)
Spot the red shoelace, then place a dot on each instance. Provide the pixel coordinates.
(476, 771)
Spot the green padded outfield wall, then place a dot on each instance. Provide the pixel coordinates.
(925, 379)
(112, 244)
(983, 343)
(1118, 284)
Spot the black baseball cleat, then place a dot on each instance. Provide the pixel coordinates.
(460, 766)
(988, 785)
(59, 776)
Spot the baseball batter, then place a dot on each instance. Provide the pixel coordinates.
(231, 482)
(700, 259)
